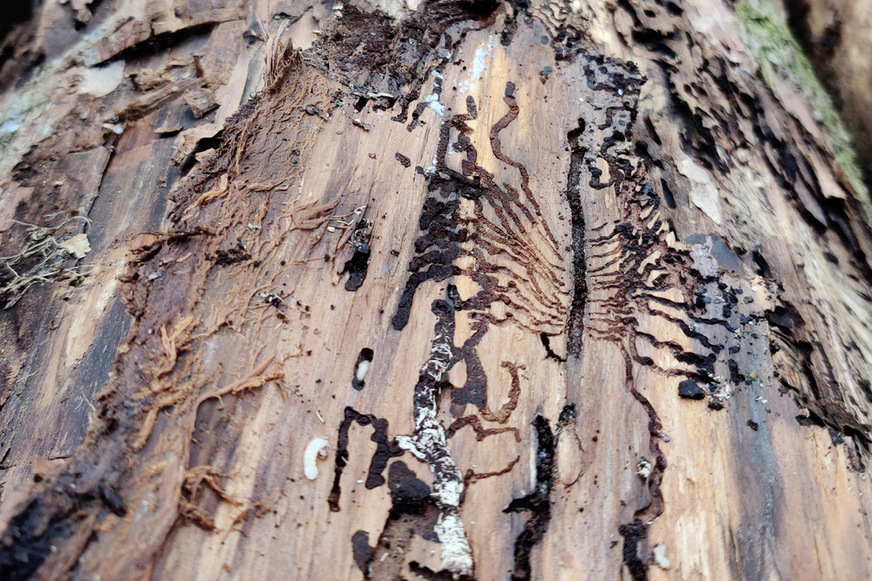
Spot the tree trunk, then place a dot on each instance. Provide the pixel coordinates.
(836, 35)
(465, 290)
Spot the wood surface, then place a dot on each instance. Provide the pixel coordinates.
(570, 292)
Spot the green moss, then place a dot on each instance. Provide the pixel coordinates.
(781, 59)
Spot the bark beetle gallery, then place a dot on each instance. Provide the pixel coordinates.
(467, 219)
(469, 257)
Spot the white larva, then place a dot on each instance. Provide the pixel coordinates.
(362, 368)
(310, 457)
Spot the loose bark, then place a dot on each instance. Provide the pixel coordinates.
(569, 290)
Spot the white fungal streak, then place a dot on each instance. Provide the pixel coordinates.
(429, 445)
(310, 457)
(362, 368)
(644, 469)
(456, 555)
(660, 556)
(478, 61)
(408, 443)
(432, 99)
(440, 355)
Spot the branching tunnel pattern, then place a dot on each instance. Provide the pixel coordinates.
(623, 272)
